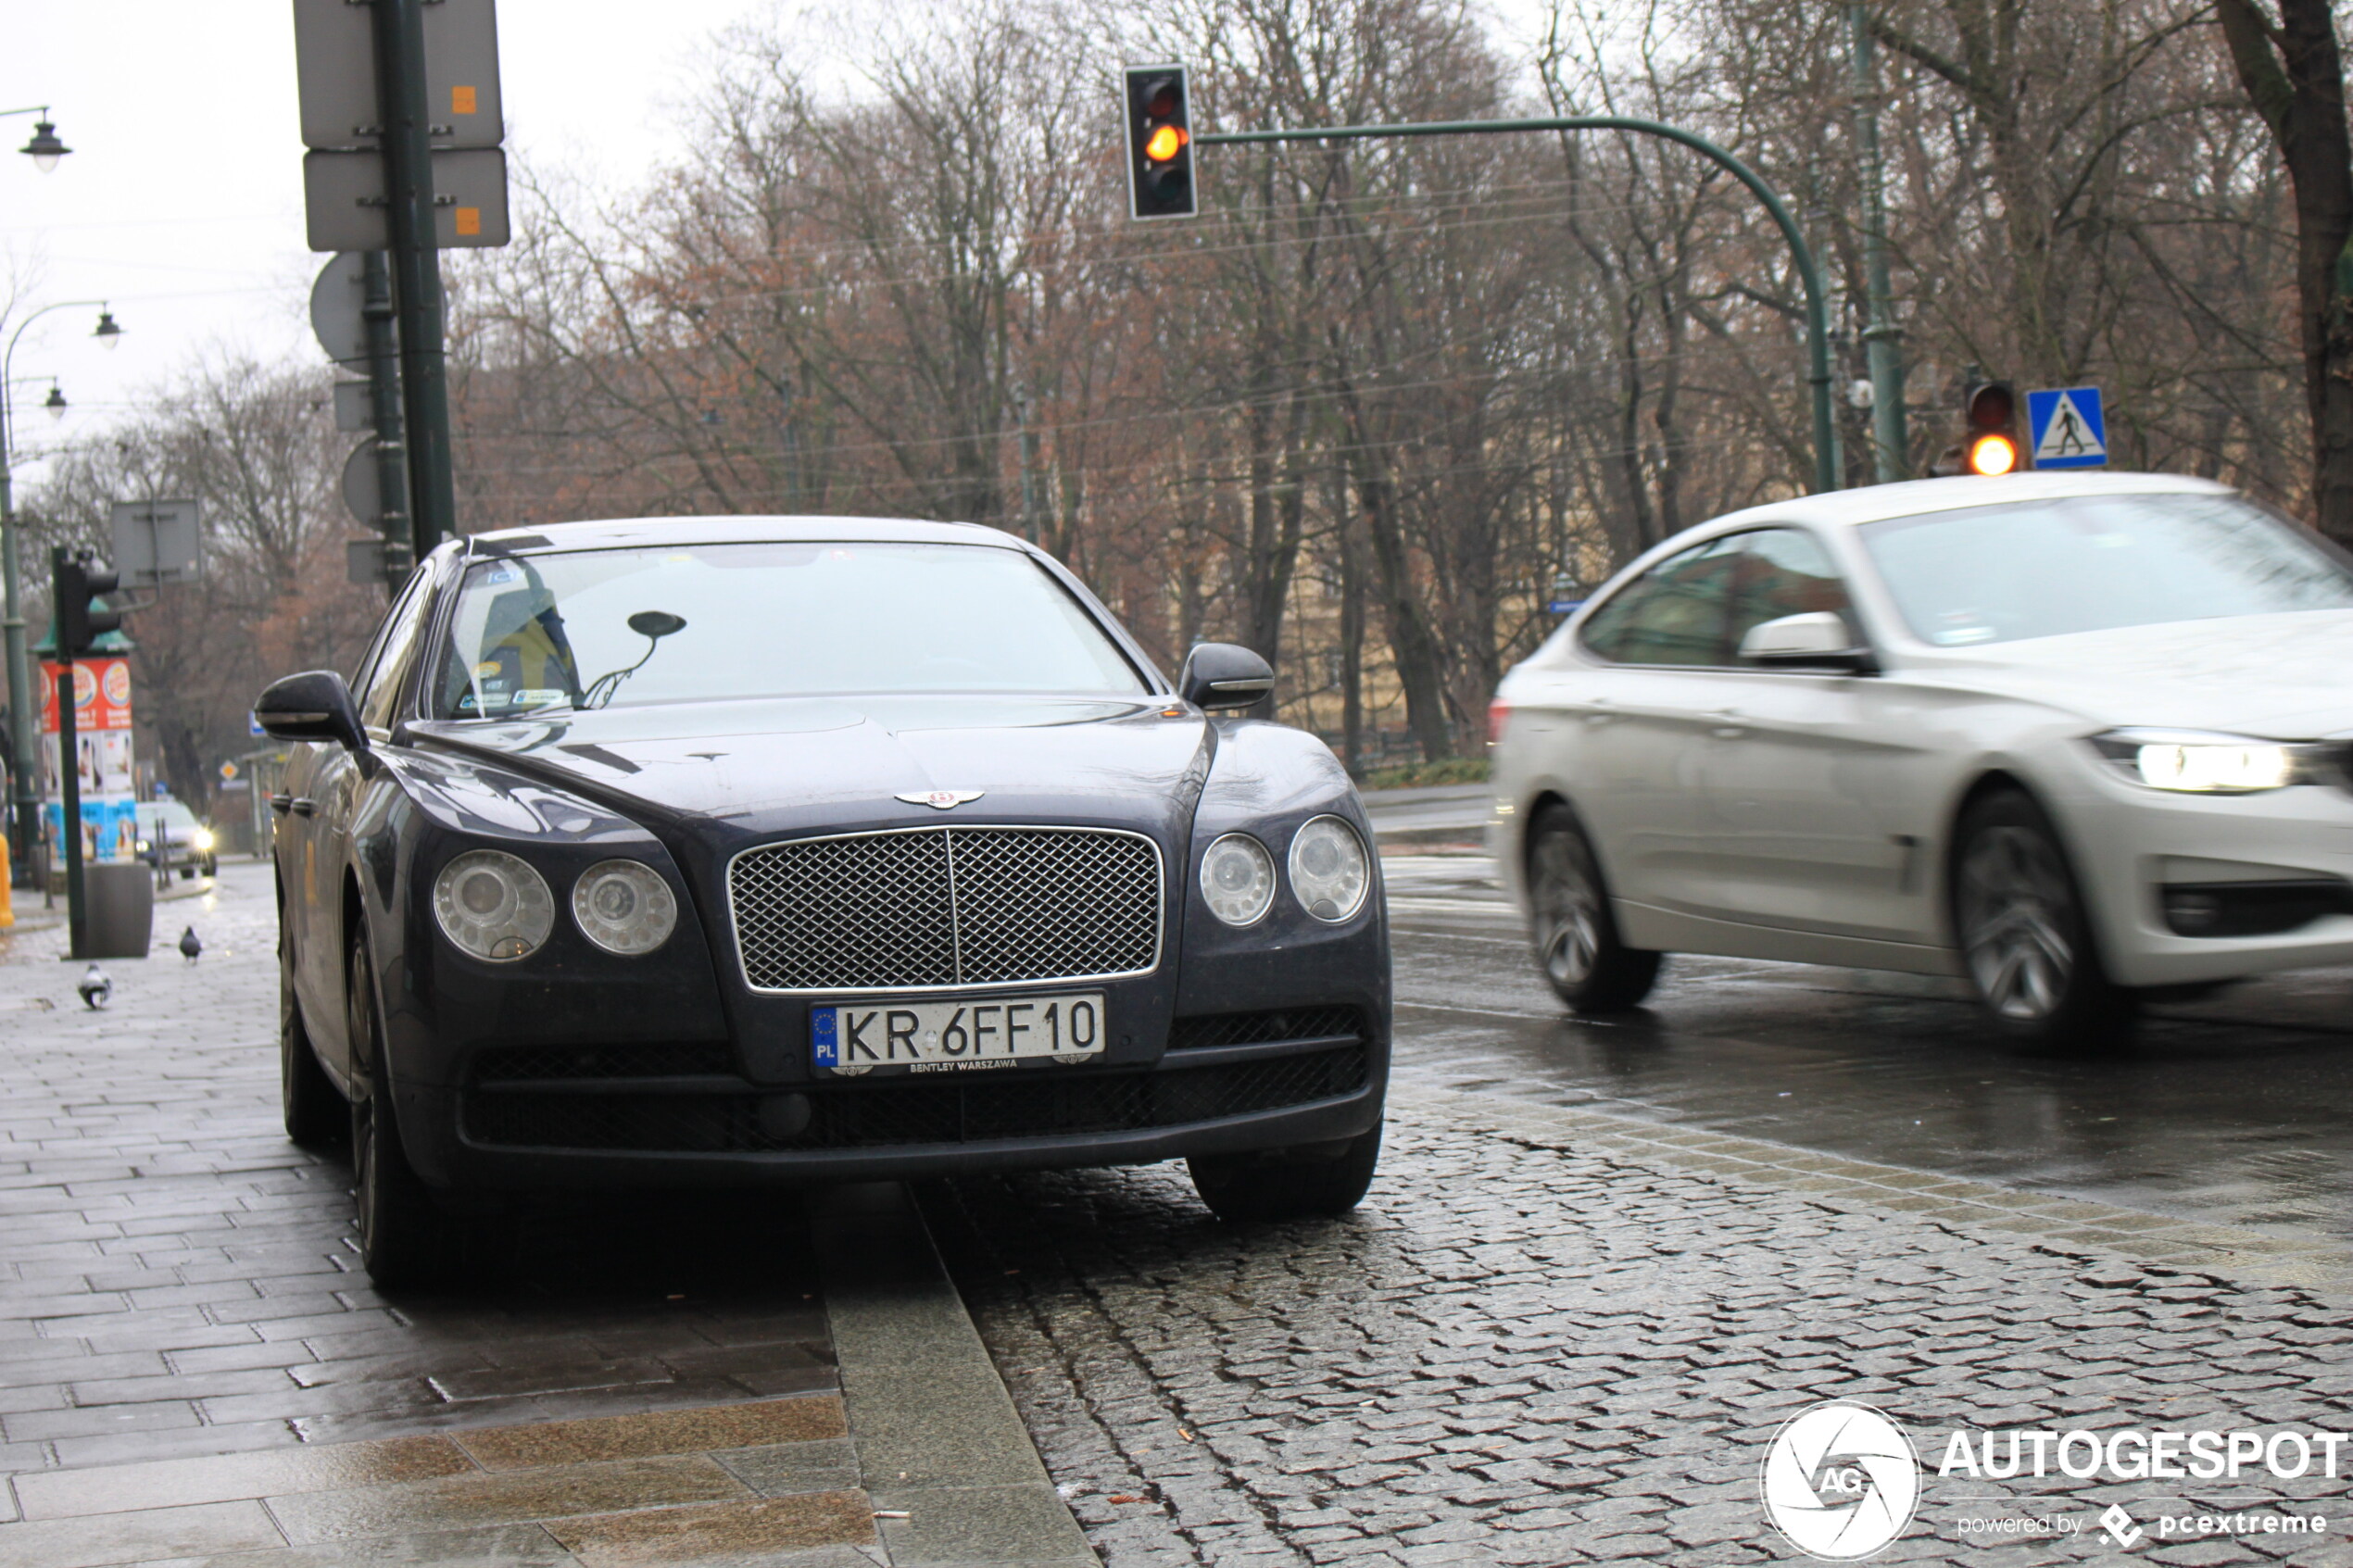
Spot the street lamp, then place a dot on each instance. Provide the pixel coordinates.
(45, 149)
(54, 403)
(23, 711)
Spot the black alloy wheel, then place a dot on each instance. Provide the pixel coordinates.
(1577, 942)
(406, 1242)
(315, 1113)
(1315, 1183)
(2025, 940)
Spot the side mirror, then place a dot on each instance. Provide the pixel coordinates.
(315, 704)
(1818, 639)
(1224, 675)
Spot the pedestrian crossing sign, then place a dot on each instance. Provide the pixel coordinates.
(2068, 427)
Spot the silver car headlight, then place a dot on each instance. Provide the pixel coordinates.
(1238, 879)
(625, 907)
(2194, 762)
(494, 905)
(1330, 871)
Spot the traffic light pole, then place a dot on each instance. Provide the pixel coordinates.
(1818, 326)
(1882, 337)
(402, 104)
(69, 780)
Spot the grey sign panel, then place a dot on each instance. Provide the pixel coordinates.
(335, 301)
(354, 404)
(361, 492)
(335, 71)
(345, 195)
(363, 560)
(158, 542)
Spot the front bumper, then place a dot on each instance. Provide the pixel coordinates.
(2144, 854)
(707, 1129)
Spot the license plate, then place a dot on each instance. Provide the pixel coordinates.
(850, 1038)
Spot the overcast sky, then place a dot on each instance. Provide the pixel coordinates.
(180, 204)
(181, 201)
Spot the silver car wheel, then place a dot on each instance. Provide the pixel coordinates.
(1568, 911)
(2015, 909)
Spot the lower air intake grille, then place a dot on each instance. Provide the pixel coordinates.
(513, 1064)
(1028, 1103)
(1266, 1028)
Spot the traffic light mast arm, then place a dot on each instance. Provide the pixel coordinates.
(1817, 323)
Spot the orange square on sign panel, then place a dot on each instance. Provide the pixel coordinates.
(462, 100)
(470, 220)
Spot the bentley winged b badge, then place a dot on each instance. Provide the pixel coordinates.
(941, 799)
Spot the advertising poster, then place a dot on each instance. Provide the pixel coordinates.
(102, 758)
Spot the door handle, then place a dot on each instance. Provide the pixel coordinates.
(1725, 731)
(279, 803)
(304, 806)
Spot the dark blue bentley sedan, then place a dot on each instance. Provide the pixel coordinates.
(786, 851)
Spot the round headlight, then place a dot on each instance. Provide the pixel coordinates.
(1330, 874)
(1238, 879)
(494, 905)
(623, 907)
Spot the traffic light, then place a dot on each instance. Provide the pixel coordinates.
(1991, 445)
(77, 578)
(1160, 143)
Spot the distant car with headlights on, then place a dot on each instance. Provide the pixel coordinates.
(171, 838)
(2079, 740)
(771, 851)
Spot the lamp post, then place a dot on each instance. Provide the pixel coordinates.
(45, 149)
(23, 711)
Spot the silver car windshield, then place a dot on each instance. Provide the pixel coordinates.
(2087, 563)
(624, 628)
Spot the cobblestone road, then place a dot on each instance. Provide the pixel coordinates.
(1521, 1354)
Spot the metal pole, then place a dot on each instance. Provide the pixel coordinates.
(23, 735)
(70, 782)
(376, 311)
(416, 265)
(24, 723)
(1882, 340)
(1818, 319)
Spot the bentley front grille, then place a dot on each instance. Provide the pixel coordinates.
(935, 909)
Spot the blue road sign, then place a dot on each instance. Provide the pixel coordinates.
(2067, 427)
(1564, 606)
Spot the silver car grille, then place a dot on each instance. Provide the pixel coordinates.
(934, 908)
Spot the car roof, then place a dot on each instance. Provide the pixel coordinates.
(1874, 503)
(618, 532)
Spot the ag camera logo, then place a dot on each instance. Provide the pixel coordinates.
(1840, 1481)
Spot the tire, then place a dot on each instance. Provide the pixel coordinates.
(187, 874)
(1578, 947)
(406, 1242)
(212, 865)
(2025, 943)
(316, 1115)
(1318, 1182)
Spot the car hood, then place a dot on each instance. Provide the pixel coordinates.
(2282, 677)
(788, 765)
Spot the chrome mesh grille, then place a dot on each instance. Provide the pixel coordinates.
(945, 907)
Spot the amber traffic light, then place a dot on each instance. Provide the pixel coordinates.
(1991, 409)
(1160, 142)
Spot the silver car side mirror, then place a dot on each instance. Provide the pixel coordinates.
(1817, 638)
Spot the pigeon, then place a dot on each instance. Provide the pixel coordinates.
(94, 987)
(189, 945)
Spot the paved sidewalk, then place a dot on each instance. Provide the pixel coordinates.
(1562, 1337)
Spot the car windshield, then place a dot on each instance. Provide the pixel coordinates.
(2087, 563)
(171, 814)
(629, 627)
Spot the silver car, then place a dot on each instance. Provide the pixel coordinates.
(2076, 739)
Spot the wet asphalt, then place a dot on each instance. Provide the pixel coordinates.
(2231, 1110)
